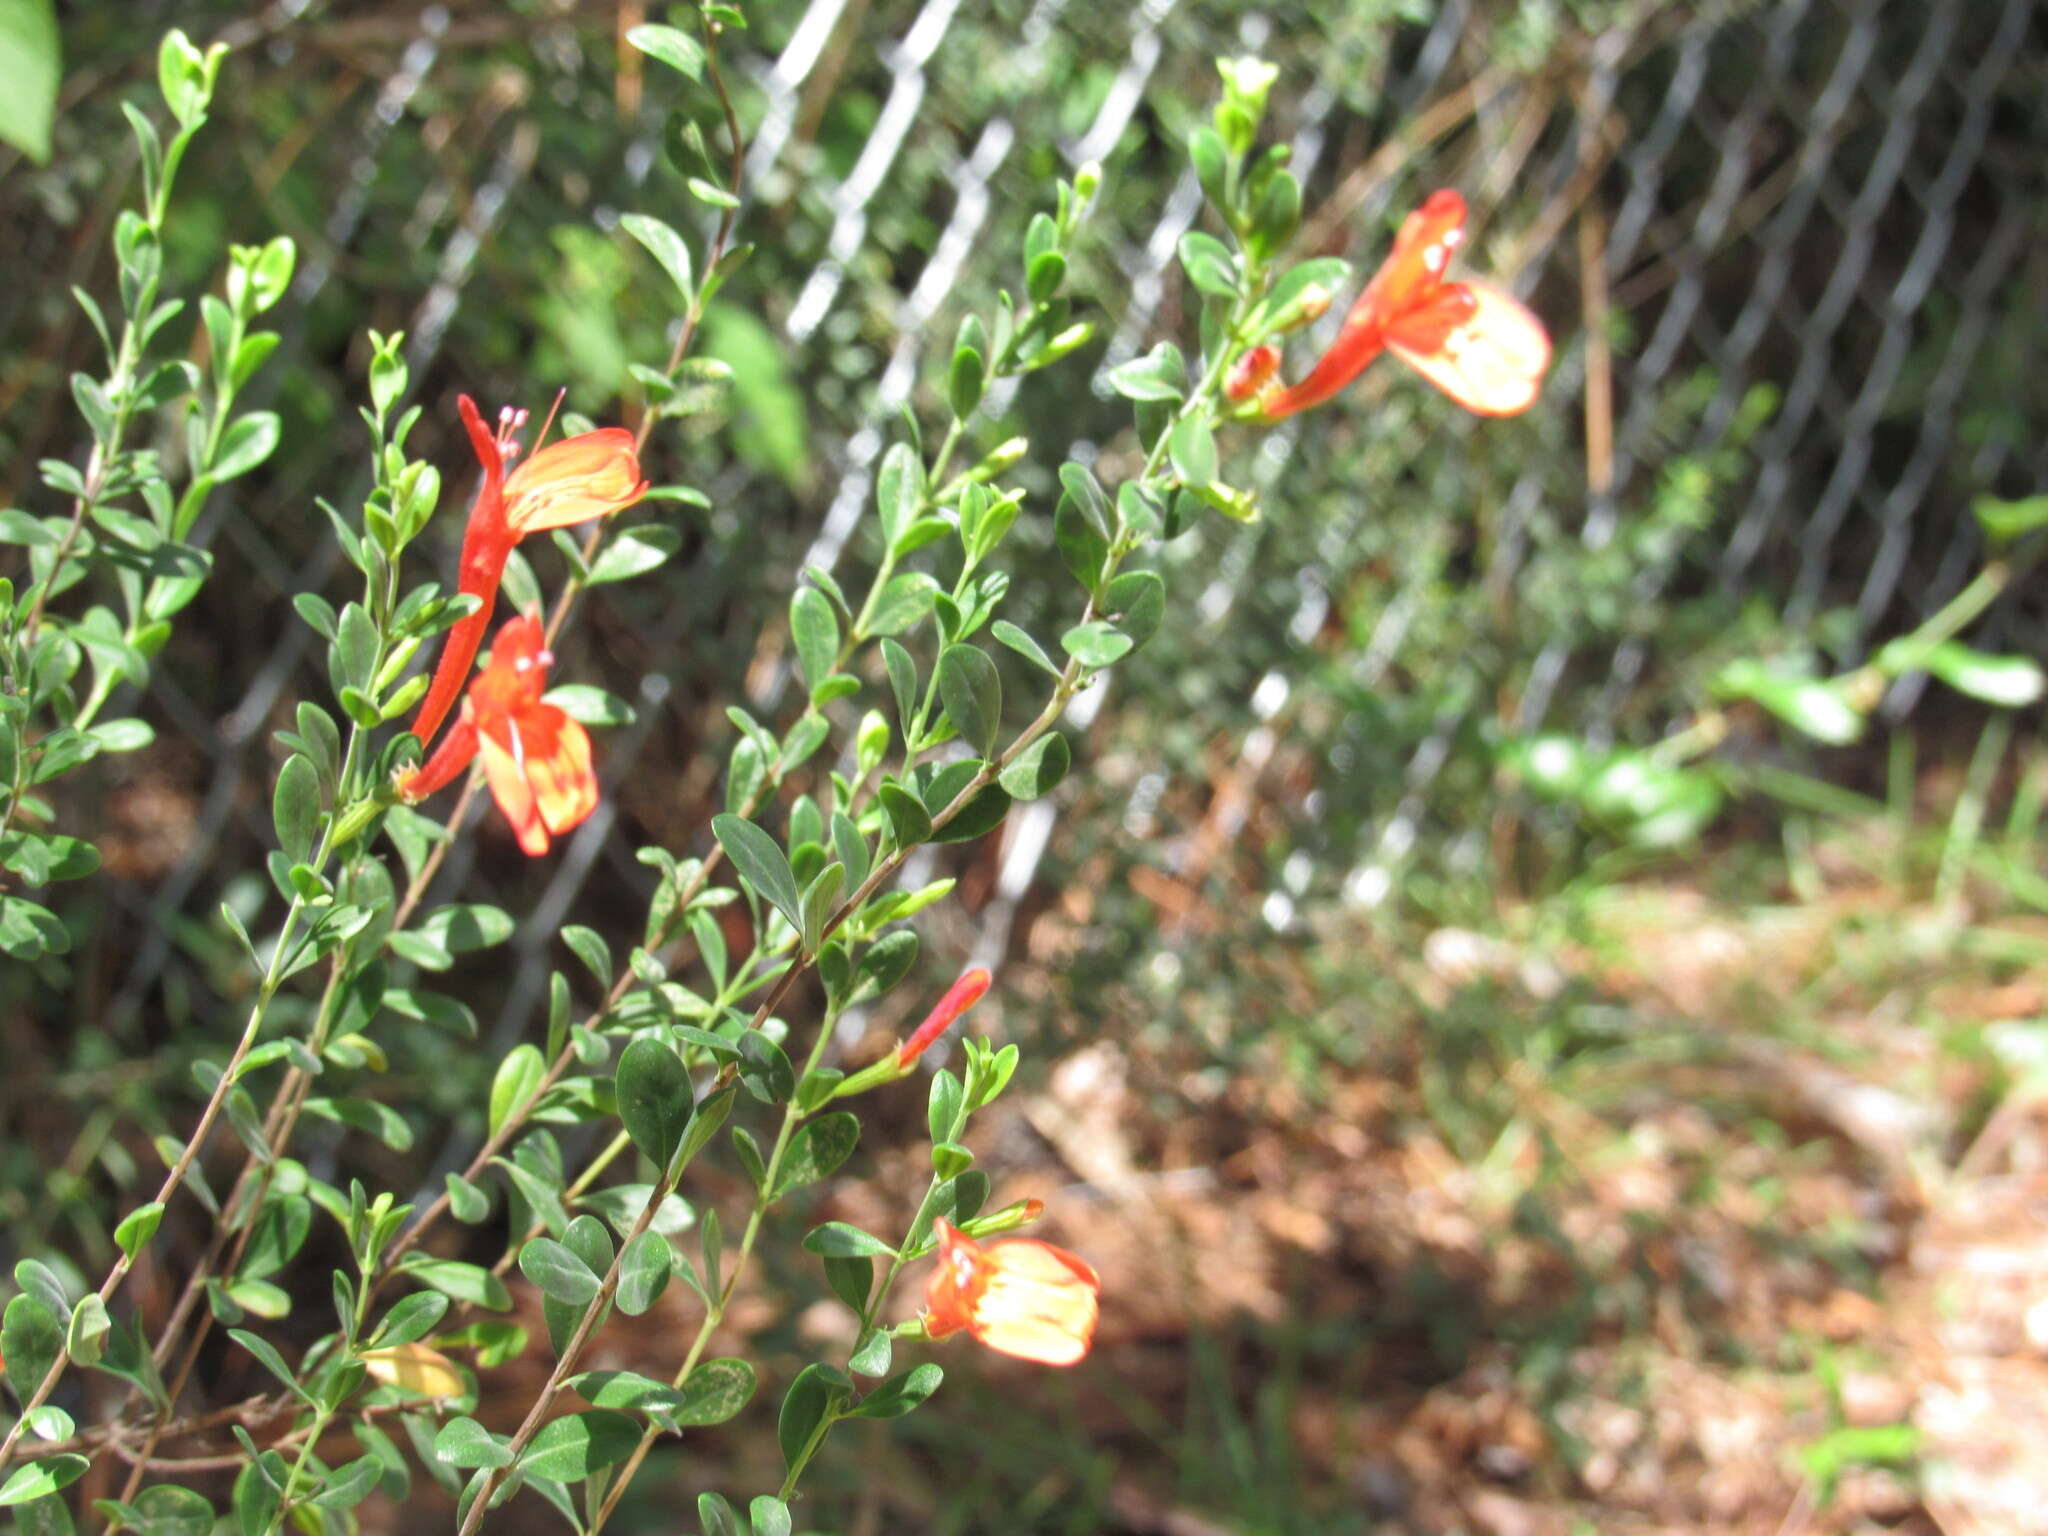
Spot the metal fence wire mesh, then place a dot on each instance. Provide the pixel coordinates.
(1839, 199)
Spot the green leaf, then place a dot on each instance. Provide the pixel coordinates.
(627, 1390)
(1096, 644)
(839, 1240)
(902, 603)
(644, 1272)
(662, 242)
(972, 695)
(2006, 520)
(899, 1394)
(909, 821)
(851, 1280)
(1137, 600)
(413, 1318)
(40, 1478)
(559, 1273)
(655, 1099)
(168, 1510)
(463, 1442)
(1192, 448)
(461, 927)
(714, 1392)
(30, 63)
(621, 1204)
(271, 1360)
(715, 1516)
(2010, 681)
(873, 1355)
(765, 1068)
(761, 864)
(1038, 768)
(942, 1108)
(31, 1335)
(1158, 375)
(815, 629)
(367, 1116)
(710, 1116)
(348, 1486)
(814, 1399)
(465, 1282)
(887, 961)
(138, 1227)
(245, 444)
(588, 705)
(517, 1079)
(678, 50)
(710, 192)
(277, 1234)
(1209, 265)
(819, 1148)
(902, 683)
(1082, 545)
(634, 552)
(899, 490)
(768, 1516)
(981, 814)
(1015, 638)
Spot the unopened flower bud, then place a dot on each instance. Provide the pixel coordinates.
(999, 458)
(960, 997)
(1251, 373)
(1311, 304)
(1019, 1213)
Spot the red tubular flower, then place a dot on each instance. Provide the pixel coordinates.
(1475, 343)
(1019, 1296)
(590, 475)
(960, 997)
(536, 759)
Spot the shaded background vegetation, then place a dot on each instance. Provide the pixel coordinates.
(1451, 1164)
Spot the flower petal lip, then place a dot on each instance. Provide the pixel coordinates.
(590, 475)
(1037, 1303)
(1019, 1296)
(1492, 362)
(1478, 345)
(535, 758)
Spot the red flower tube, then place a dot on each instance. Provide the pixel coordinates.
(960, 997)
(590, 475)
(1477, 344)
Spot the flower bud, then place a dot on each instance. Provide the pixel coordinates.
(1308, 306)
(1251, 373)
(960, 997)
(1000, 458)
(1019, 1213)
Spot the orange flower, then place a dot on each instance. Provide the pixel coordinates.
(1475, 343)
(960, 997)
(1019, 1296)
(590, 475)
(536, 759)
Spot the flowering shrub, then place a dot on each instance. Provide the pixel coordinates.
(903, 738)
